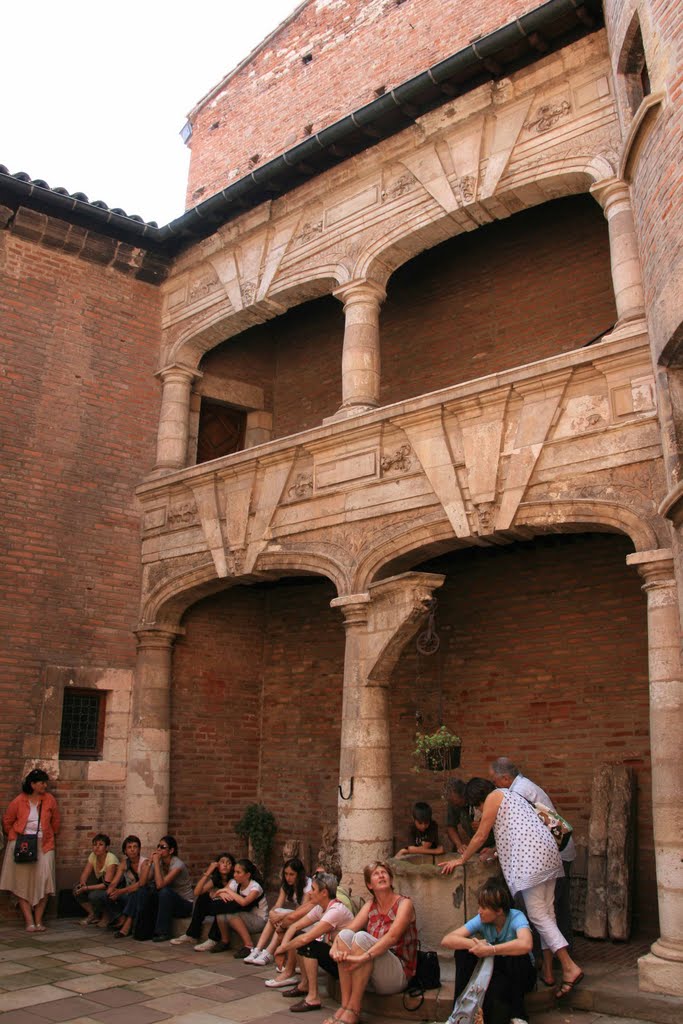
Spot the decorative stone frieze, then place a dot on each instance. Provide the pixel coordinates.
(571, 438)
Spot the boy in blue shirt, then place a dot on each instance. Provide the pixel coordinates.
(500, 932)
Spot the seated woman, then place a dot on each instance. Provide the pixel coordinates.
(207, 904)
(245, 908)
(295, 890)
(96, 877)
(123, 894)
(378, 950)
(504, 934)
(172, 883)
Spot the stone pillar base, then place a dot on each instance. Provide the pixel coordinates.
(658, 975)
(346, 411)
(627, 328)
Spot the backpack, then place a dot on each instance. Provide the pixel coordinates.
(352, 903)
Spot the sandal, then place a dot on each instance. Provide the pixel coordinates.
(566, 987)
(90, 919)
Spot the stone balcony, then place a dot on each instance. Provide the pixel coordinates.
(569, 442)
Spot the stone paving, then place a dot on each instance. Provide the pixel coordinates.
(75, 975)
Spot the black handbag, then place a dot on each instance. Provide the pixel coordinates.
(26, 845)
(427, 975)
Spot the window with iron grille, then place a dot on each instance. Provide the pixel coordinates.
(82, 724)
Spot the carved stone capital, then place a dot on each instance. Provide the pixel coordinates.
(613, 194)
(655, 567)
(363, 292)
(178, 373)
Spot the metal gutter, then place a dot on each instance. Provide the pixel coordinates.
(547, 28)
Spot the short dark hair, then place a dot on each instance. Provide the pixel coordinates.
(422, 812)
(37, 775)
(477, 790)
(494, 894)
(101, 837)
(456, 786)
(130, 839)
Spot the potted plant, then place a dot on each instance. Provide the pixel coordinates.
(258, 826)
(438, 751)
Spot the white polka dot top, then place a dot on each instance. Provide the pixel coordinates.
(527, 852)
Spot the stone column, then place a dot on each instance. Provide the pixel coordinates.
(614, 197)
(662, 969)
(361, 352)
(174, 419)
(378, 624)
(149, 740)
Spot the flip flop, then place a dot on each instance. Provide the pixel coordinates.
(304, 1007)
(567, 987)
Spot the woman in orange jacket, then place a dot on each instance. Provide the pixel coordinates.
(34, 811)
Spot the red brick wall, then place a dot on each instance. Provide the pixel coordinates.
(510, 293)
(357, 46)
(78, 422)
(543, 659)
(256, 665)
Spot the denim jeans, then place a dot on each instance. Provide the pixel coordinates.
(170, 905)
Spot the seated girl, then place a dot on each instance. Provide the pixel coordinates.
(501, 933)
(245, 908)
(217, 876)
(295, 891)
(173, 887)
(96, 877)
(122, 894)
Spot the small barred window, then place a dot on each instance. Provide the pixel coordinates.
(82, 724)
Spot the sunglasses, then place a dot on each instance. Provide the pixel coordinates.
(162, 846)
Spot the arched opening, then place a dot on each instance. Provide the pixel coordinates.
(633, 67)
(507, 294)
(256, 699)
(543, 658)
(286, 371)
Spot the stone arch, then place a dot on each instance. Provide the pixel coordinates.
(216, 326)
(565, 177)
(646, 532)
(166, 604)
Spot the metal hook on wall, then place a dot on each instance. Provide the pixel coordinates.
(341, 794)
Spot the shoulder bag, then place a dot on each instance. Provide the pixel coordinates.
(26, 845)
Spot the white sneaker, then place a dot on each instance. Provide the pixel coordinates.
(253, 956)
(281, 982)
(204, 947)
(181, 940)
(264, 958)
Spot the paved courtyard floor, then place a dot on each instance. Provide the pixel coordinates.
(86, 976)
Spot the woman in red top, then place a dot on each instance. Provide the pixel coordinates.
(378, 950)
(33, 811)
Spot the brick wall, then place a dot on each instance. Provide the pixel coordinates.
(357, 47)
(78, 423)
(543, 658)
(510, 293)
(257, 665)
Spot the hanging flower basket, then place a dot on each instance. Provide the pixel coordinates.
(438, 751)
(442, 759)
